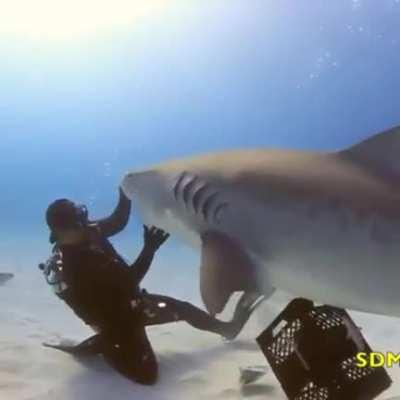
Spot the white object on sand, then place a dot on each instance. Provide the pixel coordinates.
(251, 374)
(5, 276)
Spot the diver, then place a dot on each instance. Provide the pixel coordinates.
(104, 291)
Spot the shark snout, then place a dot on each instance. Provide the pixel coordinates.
(150, 187)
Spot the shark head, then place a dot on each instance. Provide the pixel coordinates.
(193, 208)
(147, 188)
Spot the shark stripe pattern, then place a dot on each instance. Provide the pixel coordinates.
(199, 197)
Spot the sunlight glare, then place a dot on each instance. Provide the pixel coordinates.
(72, 18)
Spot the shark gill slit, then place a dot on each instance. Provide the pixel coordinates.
(188, 188)
(197, 196)
(208, 205)
(218, 210)
(178, 184)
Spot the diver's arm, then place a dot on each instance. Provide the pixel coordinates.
(117, 221)
(153, 239)
(142, 264)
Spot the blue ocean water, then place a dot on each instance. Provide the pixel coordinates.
(77, 113)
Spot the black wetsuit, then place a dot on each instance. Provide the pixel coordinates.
(104, 292)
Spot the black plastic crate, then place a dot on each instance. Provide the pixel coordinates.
(312, 351)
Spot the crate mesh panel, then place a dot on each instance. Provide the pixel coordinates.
(333, 333)
(283, 345)
(326, 321)
(354, 373)
(313, 392)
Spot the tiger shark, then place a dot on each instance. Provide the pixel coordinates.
(320, 225)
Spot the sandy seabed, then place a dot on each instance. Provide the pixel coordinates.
(193, 364)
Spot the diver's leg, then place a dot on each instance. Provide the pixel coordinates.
(130, 353)
(170, 310)
(90, 346)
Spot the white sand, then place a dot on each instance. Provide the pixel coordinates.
(193, 364)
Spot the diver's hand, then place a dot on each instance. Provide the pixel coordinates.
(154, 237)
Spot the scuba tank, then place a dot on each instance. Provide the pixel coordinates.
(53, 272)
(52, 269)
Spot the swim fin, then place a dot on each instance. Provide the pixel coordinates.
(90, 346)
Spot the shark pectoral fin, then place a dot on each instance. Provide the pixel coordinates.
(225, 269)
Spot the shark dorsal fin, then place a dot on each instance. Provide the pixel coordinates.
(379, 153)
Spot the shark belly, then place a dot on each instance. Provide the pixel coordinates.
(333, 257)
(329, 260)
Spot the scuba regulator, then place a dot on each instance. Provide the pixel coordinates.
(53, 272)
